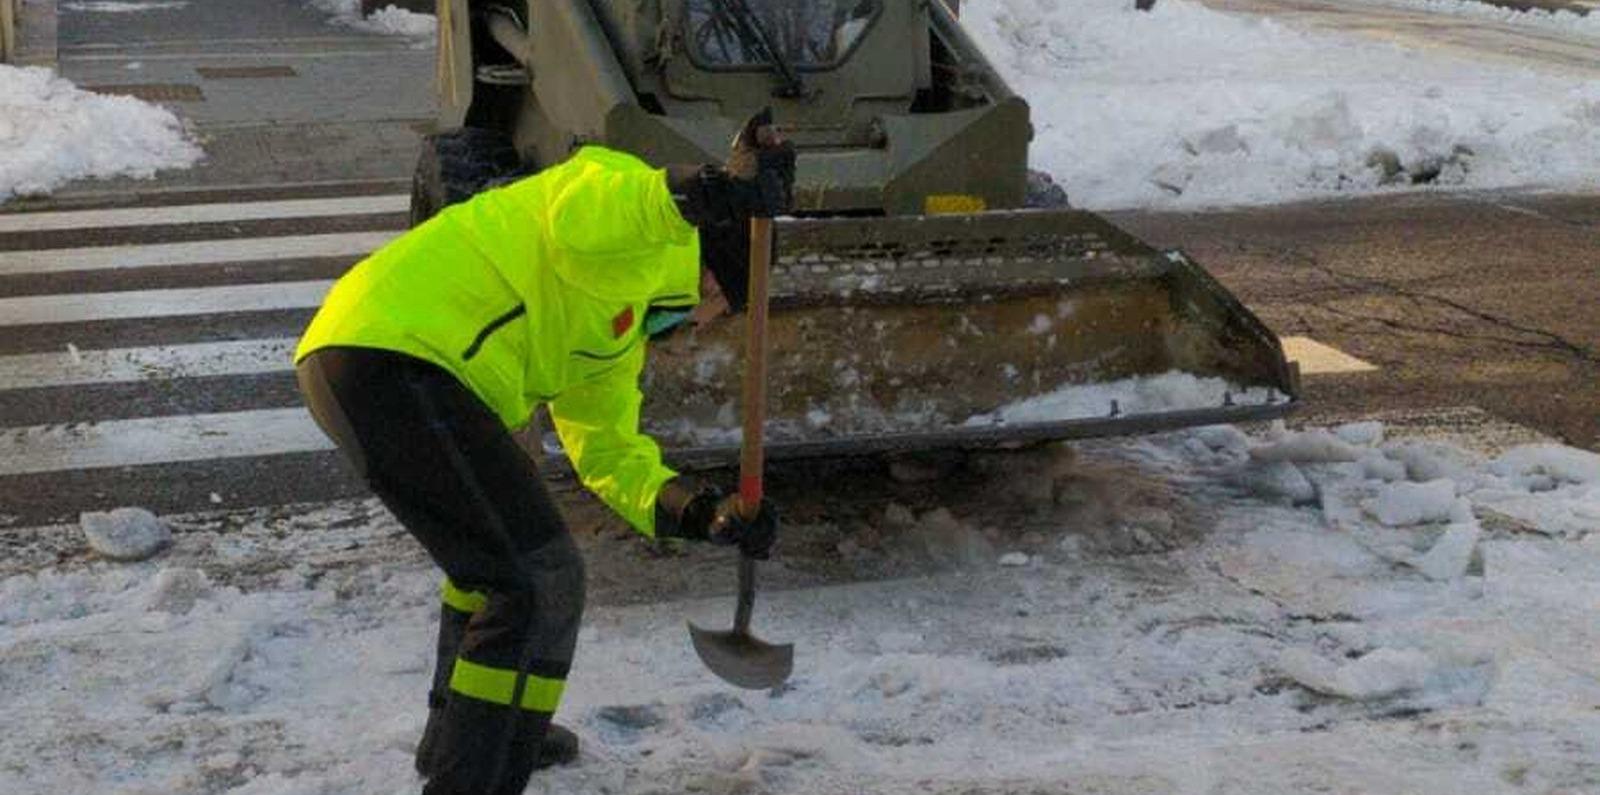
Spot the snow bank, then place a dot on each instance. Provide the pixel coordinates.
(389, 20)
(1188, 107)
(52, 132)
(1554, 21)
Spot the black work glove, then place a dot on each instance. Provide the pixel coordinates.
(758, 180)
(754, 537)
(763, 156)
(685, 509)
(702, 513)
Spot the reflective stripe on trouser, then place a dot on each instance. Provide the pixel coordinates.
(461, 599)
(500, 685)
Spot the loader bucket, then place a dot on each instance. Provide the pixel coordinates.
(898, 334)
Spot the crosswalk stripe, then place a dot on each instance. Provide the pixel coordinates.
(201, 252)
(79, 368)
(158, 440)
(202, 213)
(137, 304)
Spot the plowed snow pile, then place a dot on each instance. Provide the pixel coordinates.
(1354, 614)
(1187, 107)
(52, 132)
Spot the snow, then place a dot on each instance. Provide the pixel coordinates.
(1553, 21)
(389, 20)
(52, 132)
(1306, 447)
(1213, 610)
(1185, 106)
(1400, 504)
(1182, 106)
(1170, 391)
(115, 7)
(1380, 674)
(1275, 650)
(1564, 464)
(1451, 555)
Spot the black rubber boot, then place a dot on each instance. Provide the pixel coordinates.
(560, 747)
(452, 628)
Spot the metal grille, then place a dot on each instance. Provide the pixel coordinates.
(952, 258)
(154, 92)
(244, 72)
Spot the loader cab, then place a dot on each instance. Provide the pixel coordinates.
(891, 106)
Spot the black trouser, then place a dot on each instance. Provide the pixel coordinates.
(452, 474)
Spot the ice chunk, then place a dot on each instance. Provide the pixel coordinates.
(125, 533)
(1434, 460)
(1563, 463)
(1380, 674)
(1278, 480)
(1223, 438)
(1399, 504)
(1448, 558)
(1377, 466)
(1307, 447)
(1011, 559)
(176, 590)
(1365, 434)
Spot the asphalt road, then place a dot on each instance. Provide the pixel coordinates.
(1465, 300)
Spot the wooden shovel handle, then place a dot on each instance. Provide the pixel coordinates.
(751, 458)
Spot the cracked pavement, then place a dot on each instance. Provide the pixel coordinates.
(1483, 300)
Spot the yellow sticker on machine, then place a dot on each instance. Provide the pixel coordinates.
(953, 204)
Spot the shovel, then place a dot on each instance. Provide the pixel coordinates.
(737, 656)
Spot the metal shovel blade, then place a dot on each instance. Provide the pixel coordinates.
(741, 659)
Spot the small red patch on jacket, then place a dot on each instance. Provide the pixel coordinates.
(622, 322)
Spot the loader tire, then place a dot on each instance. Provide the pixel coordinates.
(458, 164)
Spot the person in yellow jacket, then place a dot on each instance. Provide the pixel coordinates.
(426, 355)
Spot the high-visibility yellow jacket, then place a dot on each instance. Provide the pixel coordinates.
(534, 293)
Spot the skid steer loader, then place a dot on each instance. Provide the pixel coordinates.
(919, 301)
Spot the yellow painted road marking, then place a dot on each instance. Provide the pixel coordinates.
(1316, 358)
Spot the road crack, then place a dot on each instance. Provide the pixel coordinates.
(1541, 338)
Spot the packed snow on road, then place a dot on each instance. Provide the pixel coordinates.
(1351, 608)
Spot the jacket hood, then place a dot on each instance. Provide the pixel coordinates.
(618, 232)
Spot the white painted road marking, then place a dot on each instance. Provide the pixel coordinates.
(158, 440)
(200, 252)
(203, 213)
(1316, 358)
(139, 304)
(66, 368)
